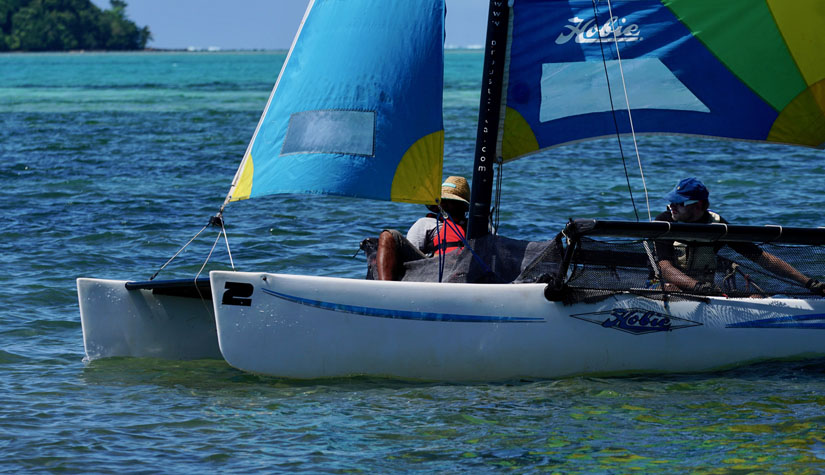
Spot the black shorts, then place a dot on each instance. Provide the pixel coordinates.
(404, 249)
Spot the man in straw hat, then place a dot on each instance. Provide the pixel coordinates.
(429, 235)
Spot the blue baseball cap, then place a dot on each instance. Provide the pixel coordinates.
(688, 189)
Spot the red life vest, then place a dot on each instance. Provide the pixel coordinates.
(454, 237)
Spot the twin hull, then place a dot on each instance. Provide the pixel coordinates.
(315, 327)
(121, 322)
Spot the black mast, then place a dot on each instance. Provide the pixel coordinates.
(488, 118)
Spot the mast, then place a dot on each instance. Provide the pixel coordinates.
(489, 112)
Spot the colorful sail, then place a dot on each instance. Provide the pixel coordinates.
(738, 69)
(357, 108)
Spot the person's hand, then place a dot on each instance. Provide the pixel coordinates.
(706, 288)
(816, 287)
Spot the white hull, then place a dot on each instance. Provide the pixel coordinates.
(120, 322)
(315, 327)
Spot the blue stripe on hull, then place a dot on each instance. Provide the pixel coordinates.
(813, 321)
(402, 314)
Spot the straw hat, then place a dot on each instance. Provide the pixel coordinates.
(456, 188)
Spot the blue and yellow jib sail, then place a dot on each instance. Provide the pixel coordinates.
(357, 108)
(739, 69)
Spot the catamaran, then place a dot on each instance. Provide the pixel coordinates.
(586, 301)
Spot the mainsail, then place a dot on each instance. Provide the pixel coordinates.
(738, 69)
(357, 108)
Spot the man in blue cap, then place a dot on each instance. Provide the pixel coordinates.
(692, 266)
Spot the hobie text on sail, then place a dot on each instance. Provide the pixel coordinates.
(585, 31)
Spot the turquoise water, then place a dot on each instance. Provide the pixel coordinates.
(110, 162)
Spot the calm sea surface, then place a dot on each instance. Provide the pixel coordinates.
(110, 162)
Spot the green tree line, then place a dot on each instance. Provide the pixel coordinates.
(61, 25)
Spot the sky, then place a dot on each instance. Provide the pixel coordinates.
(263, 24)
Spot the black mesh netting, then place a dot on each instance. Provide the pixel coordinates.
(608, 266)
(493, 259)
(599, 268)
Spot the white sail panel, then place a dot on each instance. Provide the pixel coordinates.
(579, 88)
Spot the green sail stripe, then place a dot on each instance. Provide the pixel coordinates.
(737, 31)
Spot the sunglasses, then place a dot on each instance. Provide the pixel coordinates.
(683, 204)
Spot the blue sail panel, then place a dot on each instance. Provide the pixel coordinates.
(357, 108)
(566, 82)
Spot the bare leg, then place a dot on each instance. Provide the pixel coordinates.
(385, 259)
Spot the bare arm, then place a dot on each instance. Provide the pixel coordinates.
(776, 265)
(673, 275)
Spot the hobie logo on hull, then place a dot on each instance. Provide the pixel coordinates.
(589, 32)
(637, 321)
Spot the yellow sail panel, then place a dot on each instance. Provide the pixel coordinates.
(517, 138)
(818, 92)
(802, 25)
(244, 186)
(419, 171)
(803, 120)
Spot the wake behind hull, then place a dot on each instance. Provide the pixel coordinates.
(316, 327)
(141, 323)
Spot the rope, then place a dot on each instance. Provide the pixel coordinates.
(442, 256)
(456, 230)
(729, 281)
(656, 271)
(226, 238)
(629, 115)
(195, 280)
(218, 238)
(499, 179)
(613, 114)
(213, 221)
(179, 251)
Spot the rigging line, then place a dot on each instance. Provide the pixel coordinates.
(629, 115)
(457, 229)
(179, 251)
(218, 238)
(613, 112)
(442, 256)
(499, 178)
(195, 280)
(226, 239)
(654, 263)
